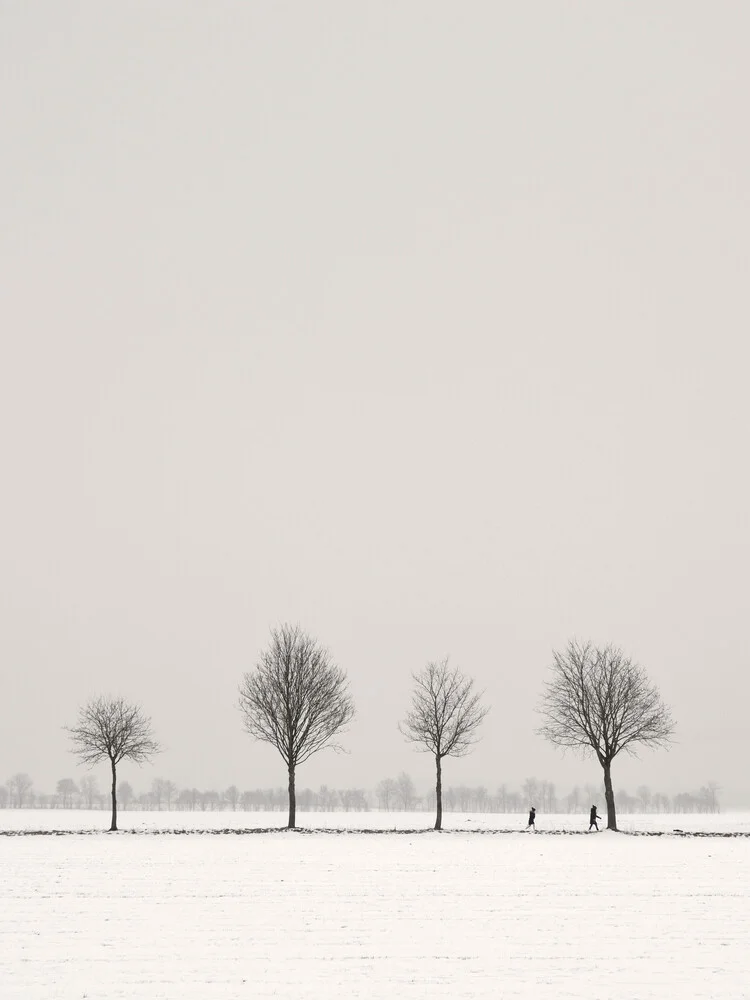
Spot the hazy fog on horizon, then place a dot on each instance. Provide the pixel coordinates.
(424, 325)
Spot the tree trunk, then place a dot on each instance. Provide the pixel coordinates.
(292, 800)
(113, 825)
(439, 793)
(609, 796)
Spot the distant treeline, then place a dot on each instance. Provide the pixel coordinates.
(391, 794)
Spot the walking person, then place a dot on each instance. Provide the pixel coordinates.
(593, 817)
(532, 817)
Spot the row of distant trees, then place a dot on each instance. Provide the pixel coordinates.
(390, 795)
(597, 700)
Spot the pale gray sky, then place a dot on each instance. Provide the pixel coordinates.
(423, 324)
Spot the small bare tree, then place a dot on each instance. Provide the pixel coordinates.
(406, 791)
(600, 700)
(444, 717)
(713, 788)
(114, 730)
(125, 794)
(66, 789)
(90, 790)
(385, 793)
(296, 699)
(20, 786)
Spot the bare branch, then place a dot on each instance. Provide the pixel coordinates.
(112, 729)
(445, 712)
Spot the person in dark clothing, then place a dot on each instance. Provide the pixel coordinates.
(593, 817)
(532, 817)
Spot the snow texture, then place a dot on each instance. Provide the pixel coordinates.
(418, 915)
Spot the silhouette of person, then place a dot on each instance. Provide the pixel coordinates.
(532, 817)
(593, 817)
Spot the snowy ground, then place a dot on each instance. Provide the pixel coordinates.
(81, 819)
(411, 916)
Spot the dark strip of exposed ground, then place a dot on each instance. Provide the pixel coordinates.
(245, 831)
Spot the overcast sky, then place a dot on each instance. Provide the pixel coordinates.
(422, 324)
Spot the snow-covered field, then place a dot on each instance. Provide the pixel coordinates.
(81, 819)
(411, 916)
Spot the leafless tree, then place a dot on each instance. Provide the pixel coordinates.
(573, 799)
(354, 798)
(66, 789)
(89, 790)
(125, 794)
(530, 789)
(170, 792)
(296, 699)
(211, 800)
(713, 788)
(599, 699)
(644, 797)
(20, 786)
(158, 792)
(502, 798)
(406, 791)
(163, 791)
(385, 792)
(114, 730)
(328, 798)
(232, 796)
(443, 719)
(185, 799)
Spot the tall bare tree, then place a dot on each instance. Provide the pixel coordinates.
(296, 699)
(112, 729)
(444, 717)
(599, 700)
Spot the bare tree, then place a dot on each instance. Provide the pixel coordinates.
(232, 796)
(66, 789)
(406, 791)
(296, 699)
(125, 794)
(170, 790)
(185, 799)
(530, 789)
(114, 730)
(644, 797)
(328, 798)
(163, 790)
(713, 788)
(20, 786)
(600, 700)
(385, 791)
(211, 799)
(89, 790)
(444, 717)
(158, 792)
